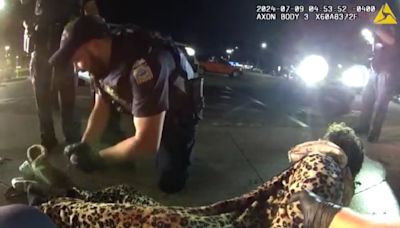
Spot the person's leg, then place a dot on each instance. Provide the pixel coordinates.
(22, 216)
(40, 72)
(65, 81)
(368, 103)
(173, 159)
(384, 96)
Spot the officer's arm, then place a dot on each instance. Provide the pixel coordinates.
(97, 120)
(146, 140)
(90, 8)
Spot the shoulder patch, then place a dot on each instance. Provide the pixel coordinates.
(141, 72)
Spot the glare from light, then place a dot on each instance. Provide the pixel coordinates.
(229, 51)
(84, 75)
(236, 48)
(2, 4)
(279, 68)
(340, 66)
(6, 48)
(190, 51)
(366, 32)
(313, 69)
(264, 45)
(244, 66)
(368, 36)
(356, 76)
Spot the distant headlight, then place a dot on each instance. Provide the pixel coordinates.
(190, 51)
(313, 69)
(356, 76)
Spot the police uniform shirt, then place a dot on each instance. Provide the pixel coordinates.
(139, 84)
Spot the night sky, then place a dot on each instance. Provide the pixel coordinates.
(212, 26)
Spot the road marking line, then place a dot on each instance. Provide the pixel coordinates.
(299, 122)
(291, 118)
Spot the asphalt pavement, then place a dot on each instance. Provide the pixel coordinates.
(250, 123)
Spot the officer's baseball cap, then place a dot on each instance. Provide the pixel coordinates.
(75, 34)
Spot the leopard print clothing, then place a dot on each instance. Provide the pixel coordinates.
(267, 206)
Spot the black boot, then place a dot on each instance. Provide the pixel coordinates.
(172, 181)
(49, 143)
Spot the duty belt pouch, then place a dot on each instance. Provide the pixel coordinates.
(194, 87)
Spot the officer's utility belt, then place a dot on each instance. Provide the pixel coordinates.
(193, 86)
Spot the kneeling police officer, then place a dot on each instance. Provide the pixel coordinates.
(146, 76)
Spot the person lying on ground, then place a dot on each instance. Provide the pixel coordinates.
(326, 167)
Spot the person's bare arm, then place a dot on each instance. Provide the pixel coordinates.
(146, 140)
(90, 8)
(319, 213)
(97, 122)
(350, 219)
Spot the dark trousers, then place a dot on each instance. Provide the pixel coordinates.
(375, 102)
(173, 158)
(64, 83)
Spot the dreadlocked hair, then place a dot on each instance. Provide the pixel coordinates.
(347, 140)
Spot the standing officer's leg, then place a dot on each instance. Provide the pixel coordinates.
(40, 71)
(65, 81)
(368, 103)
(384, 96)
(173, 159)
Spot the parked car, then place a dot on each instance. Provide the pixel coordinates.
(220, 66)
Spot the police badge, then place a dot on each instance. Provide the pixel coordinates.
(141, 72)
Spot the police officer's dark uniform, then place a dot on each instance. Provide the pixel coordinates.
(45, 29)
(383, 84)
(149, 75)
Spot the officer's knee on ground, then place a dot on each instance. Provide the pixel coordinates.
(172, 181)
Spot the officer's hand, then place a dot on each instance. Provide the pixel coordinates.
(83, 157)
(317, 212)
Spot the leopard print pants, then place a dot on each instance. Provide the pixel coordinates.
(267, 206)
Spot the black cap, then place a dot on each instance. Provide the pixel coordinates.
(75, 34)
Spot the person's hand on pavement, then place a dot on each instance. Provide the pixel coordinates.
(317, 212)
(84, 157)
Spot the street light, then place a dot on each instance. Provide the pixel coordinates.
(264, 45)
(229, 51)
(6, 48)
(368, 36)
(2, 4)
